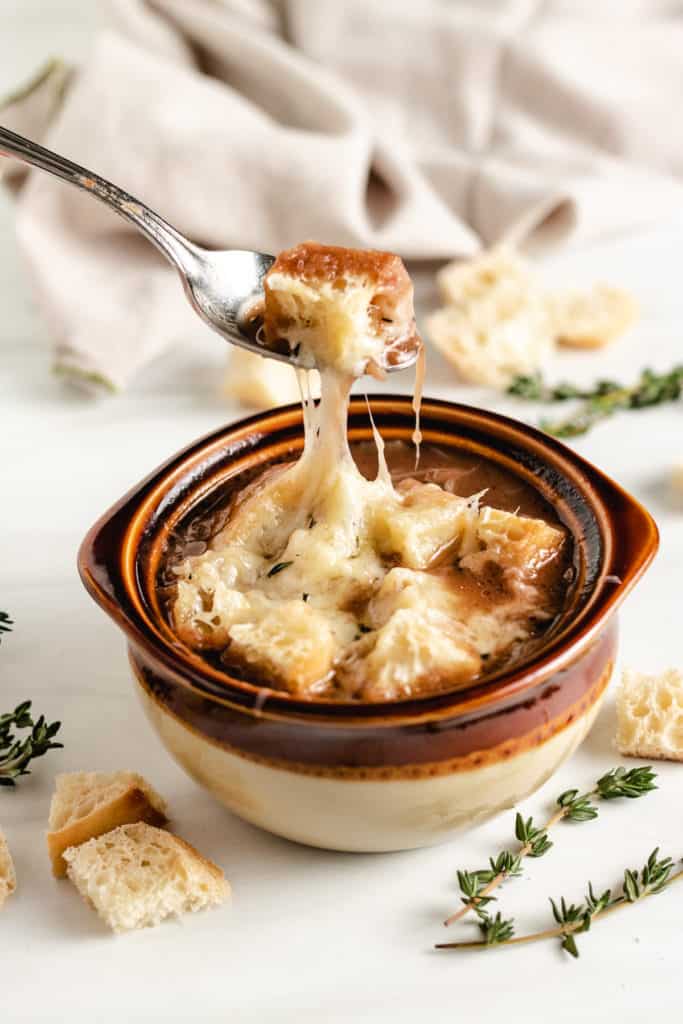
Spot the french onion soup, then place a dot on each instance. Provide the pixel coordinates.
(352, 573)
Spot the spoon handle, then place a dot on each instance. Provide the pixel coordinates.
(174, 246)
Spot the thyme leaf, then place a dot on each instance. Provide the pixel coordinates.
(278, 567)
(496, 930)
(6, 624)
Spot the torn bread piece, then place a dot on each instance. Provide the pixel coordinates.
(650, 715)
(591, 319)
(137, 875)
(261, 383)
(498, 277)
(340, 308)
(499, 322)
(292, 645)
(87, 804)
(8, 878)
(427, 522)
(411, 654)
(520, 545)
(431, 525)
(488, 349)
(495, 325)
(422, 635)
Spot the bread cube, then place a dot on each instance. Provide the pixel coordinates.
(521, 545)
(425, 522)
(407, 655)
(87, 804)
(137, 875)
(650, 715)
(412, 590)
(339, 308)
(292, 646)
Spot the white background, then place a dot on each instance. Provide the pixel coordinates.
(309, 935)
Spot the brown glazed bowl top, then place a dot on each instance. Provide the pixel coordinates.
(615, 539)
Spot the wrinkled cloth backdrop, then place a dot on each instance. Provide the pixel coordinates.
(425, 128)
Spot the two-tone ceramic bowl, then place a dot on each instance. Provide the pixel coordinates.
(373, 776)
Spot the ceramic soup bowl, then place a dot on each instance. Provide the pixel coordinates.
(373, 776)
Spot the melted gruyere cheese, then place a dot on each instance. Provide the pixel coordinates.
(326, 583)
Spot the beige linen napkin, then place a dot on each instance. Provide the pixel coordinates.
(426, 128)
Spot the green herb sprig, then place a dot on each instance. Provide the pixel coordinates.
(602, 400)
(6, 624)
(476, 887)
(571, 918)
(16, 753)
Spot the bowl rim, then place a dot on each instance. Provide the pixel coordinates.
(125, 521)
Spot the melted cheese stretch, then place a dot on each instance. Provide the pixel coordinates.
(322, 581)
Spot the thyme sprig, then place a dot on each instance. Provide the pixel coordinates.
(17, 753)
(600, 401)
(6, 624)
(571, 918)
(476, 887)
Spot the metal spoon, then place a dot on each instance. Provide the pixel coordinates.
(224, 286)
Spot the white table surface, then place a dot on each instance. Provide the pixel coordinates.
(308, 935)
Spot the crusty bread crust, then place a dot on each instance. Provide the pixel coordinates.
(312, 261)
(129, 807)
(204, 861)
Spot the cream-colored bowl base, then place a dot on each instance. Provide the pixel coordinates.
(361, 815)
